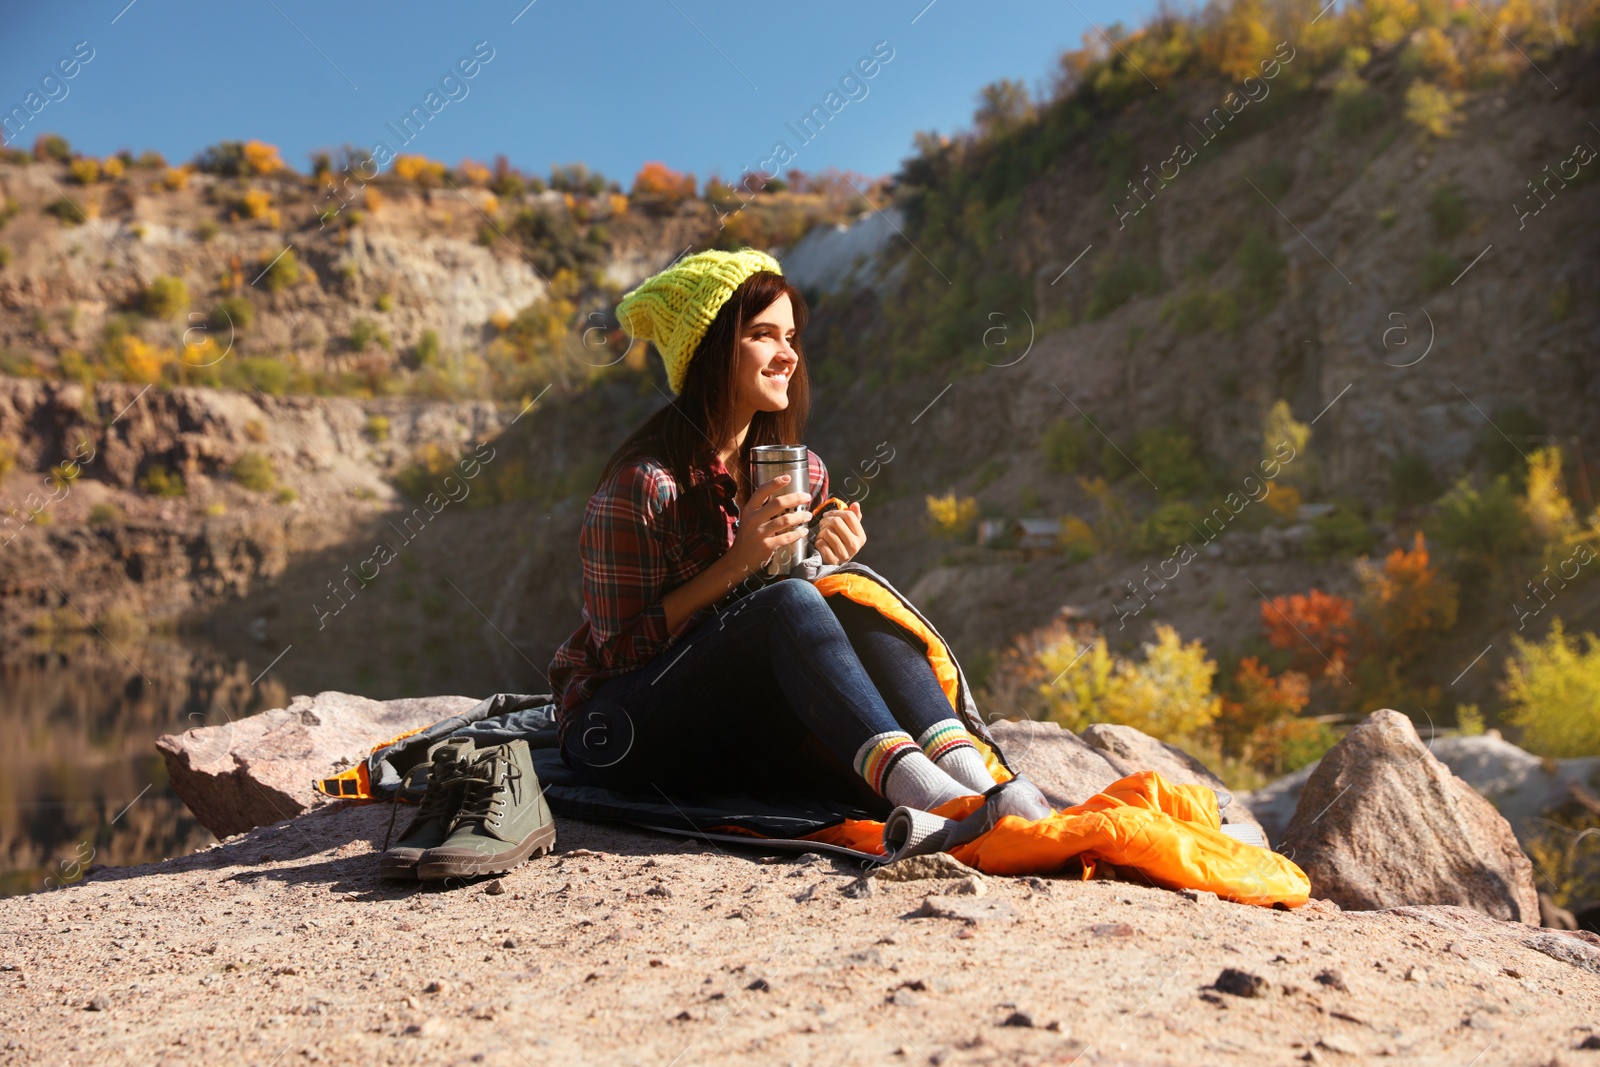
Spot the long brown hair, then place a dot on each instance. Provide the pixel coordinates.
(703, 412)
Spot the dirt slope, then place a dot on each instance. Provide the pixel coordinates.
(626, 947)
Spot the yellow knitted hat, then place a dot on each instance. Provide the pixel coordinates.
(674, 307)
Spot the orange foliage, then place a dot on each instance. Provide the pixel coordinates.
(473, 173)
(1258, 701)
(1408, 599)
(662, 186)
(419, 169)
(1318, 627)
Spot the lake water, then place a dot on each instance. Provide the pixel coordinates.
(81, 781)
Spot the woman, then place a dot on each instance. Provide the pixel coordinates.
(693, 671)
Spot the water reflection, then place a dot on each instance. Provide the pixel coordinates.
(80, 780)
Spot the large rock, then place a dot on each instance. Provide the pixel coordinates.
(1130, 751)
(1066, 770)
(1521, 785)
(1382, 823)
(260, 769)
(1069, 769)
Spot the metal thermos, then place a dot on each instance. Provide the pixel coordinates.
(768, 462)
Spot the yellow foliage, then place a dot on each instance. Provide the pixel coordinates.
(473, 173)
(491, 203)
(1435, 109)
(1547, 506)
(1167, 695)
(141, 361)
(1284, 500)
(951, 517)
(176, 178)
(1077, 536)
(1242, 40)
(256, 203)
(500, 320)
(374, 199)
(419, 169)
(112, 168)
(85, 171)
(261, 158)
(618, 203)
(1553, 690)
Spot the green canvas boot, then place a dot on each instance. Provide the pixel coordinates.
(436, 811)
(503, 818)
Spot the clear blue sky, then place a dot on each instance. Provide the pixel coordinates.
(703, 86)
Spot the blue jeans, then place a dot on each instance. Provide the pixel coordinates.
(775, 696)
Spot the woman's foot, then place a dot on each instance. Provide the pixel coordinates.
(1018, 797)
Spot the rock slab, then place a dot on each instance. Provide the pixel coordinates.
(1382, 823)
(259, 770)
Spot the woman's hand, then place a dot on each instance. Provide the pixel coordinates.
(839, 533)
(765, 525)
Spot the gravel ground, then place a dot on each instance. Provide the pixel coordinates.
(281, 946)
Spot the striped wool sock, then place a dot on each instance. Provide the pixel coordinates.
(948, 745)
(897, 769)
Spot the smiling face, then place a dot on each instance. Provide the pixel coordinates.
(767, 358)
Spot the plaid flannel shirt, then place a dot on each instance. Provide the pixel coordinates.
(643, 536)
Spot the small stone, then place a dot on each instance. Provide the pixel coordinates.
(1018, 1018)
(495, 888)
(438, 985)
(1199, 896)
(1590, 1042)
(971, 886)
(917, 868)
(1111, 930)
(658, 890)
(966, 909)
(98, 1002)
(904, 998)
(509, 942)
(760, 985)
(1240, 983)
(859, 889)
(1333, 980)
(1416, 974)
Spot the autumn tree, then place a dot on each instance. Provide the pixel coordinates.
(660, 189)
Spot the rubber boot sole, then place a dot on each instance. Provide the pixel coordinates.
(399, 863)
(467, 864)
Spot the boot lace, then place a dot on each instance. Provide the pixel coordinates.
(485, 790)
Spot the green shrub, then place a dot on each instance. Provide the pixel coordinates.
(1447, 206)
(1122, 281)
(1168, 458)
(8, 457)
(1275, 177)
(1439, 269)
(378, 427)
(1166, 527)
(5, 257)
(1411, 481)
(68, 212)
(287, 495)
(165, 297)
(428, 348)
(1487, 524)
(161, 481)
(52, 146)
(1503, 456)
(283, 272)
(207, 230)
(1262, 263)
(1202, 310)
(1066, 446)
(362, 333)
(233, 311)
(1341, 532)
(1357, 109)
(385, 302)
(1553, 689)
(104, 514)
(254, 471)
(266, 374)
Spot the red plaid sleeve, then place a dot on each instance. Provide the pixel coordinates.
(819, 481)
(625, 566)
